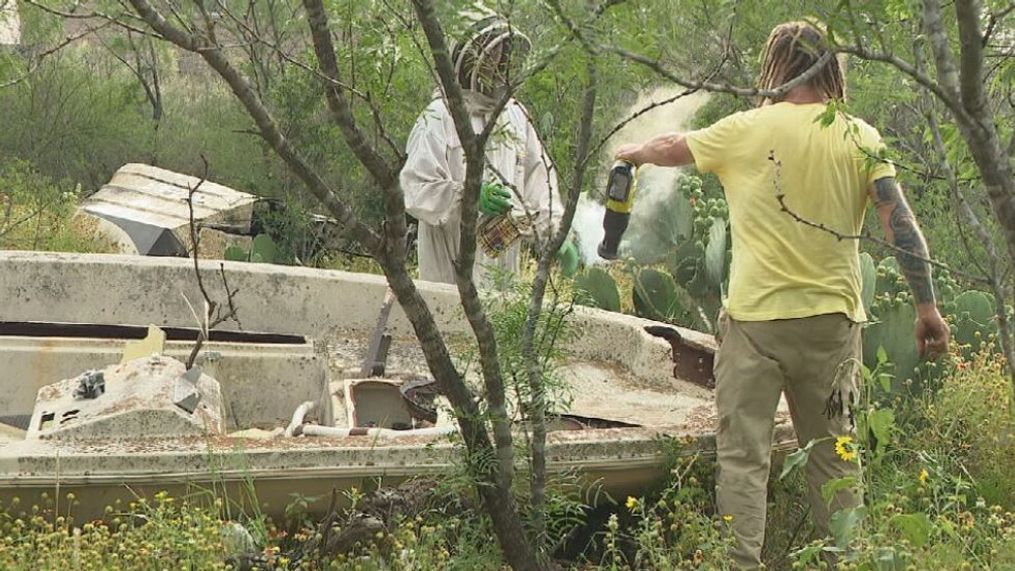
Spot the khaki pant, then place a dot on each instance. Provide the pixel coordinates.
(756, 362)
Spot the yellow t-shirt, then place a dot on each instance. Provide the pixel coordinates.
(782, 268)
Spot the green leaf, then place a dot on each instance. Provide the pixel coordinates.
(832, 487)
(914, 527)
(885, 380)
(798, 459)
(844, 524)
(882, 424)
(882, 355)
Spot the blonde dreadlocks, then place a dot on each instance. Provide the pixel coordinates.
(791, 50)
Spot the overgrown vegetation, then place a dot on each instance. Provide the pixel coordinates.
(938, 495)
(37, 212)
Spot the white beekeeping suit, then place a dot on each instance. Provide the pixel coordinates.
(434, 173)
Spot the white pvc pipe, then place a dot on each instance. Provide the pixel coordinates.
(339, 432)
(299, 415)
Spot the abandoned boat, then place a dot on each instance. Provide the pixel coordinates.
(292, 407)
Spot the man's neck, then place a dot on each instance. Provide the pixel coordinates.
(805, 94)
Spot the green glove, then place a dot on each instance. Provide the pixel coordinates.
(567, 256)
(494, 199)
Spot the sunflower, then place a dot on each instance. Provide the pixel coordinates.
(844, 448)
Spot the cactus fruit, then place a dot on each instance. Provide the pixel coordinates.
(601, 289)
(889, 280)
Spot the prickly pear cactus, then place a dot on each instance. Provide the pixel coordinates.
(974, 320)
(236, 254)
(657, 297)
(893, 331)
(700, 264)
(262, 250)
(868, 280)
(890, 281)
(660, 223)
(600, 288)
(715, 254)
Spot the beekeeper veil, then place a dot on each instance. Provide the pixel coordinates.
(489, 52)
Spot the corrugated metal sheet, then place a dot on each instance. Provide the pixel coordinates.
(150, 205)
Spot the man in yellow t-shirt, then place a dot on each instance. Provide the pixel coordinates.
(792, 319)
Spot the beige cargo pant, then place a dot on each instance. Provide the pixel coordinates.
(757, 361)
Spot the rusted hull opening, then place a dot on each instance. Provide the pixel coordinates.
(689, 363)
(126, 332)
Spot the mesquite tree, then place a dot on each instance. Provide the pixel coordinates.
(240, 49)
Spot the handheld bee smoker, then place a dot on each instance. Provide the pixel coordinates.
(620, 190)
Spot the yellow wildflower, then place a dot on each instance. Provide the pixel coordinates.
(844, 449)
(923, 476)
(727, 518)
(632, 502)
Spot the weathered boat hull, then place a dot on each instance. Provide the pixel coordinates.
(621, 376)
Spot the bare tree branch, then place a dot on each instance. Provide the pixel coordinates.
(213, 314)
(112, 19)
(383, 173)
(499, 499)
(974, 98)
(780, 195)
(262, 117)
(547, 255)
(44, 54)
(712, 87)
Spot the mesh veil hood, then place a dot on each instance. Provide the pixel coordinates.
(485, 31)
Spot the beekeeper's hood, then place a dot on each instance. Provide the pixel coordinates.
(489, 52)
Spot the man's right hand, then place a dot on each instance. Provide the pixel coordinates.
(630, 152)
(932, 332)
(494, 199)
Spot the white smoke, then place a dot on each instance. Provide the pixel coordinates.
(655, 184)
(588, 226)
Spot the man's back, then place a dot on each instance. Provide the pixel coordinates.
(782, 268)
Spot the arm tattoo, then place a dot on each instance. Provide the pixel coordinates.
(905, 234)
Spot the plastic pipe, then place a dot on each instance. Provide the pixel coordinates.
(340, 432)
(298, 416)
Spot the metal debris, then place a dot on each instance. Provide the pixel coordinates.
(91, 384)
(185, 393)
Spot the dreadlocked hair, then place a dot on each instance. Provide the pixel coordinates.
(791, 50)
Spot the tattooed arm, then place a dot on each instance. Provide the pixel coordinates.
(902, 231)
(669, 150)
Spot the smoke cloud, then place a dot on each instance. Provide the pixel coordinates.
(656, 185)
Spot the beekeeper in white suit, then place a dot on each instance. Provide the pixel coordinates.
(519, 180)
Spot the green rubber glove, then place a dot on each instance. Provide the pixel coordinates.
(567, 257)
(494, 199)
